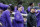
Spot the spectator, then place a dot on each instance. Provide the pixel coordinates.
(18, 18)
(31, 5)
(38, 18)
(6, 17)
(31, 18)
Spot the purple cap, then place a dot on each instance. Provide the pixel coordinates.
(10, 4)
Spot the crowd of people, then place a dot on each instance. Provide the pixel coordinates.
(5, 14)
(33, 17)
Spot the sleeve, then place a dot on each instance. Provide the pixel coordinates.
(28, 19)
(28, 9)
(8, 19)
(17, 18)
(38, 12)
(15, 9)
(24, 12)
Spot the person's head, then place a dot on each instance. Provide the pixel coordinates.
(32, 10)
(10, 4)
(19, 8)
(31, 4)
(39, 4)
(11, 8)
(15, 6)
(1, 10)
(20, 3)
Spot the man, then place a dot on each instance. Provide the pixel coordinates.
(31, 18)
(20, 3)
(3, 8)
(38, 18)
(18, 18)
(6, 16)
(38, 7)
(15, 8)
(1, 20)
(31, 5)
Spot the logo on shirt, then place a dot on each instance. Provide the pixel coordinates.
(17, 16)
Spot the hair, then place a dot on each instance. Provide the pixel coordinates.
(3, 2)
(11, 8)
(18, 6)
(20, 3)
(30, 4)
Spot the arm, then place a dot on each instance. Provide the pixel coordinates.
(15, 9)
(18, 18)
(24, 12)
(8, 19)
(37, 14)
(28, 9)
(37, 11)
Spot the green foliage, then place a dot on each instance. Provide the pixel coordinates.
(25, 2)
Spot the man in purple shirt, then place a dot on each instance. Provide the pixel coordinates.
(6, 16)
(38, 18)
(18, 18)
(15, 8)
(1, 19)
(30, 6)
